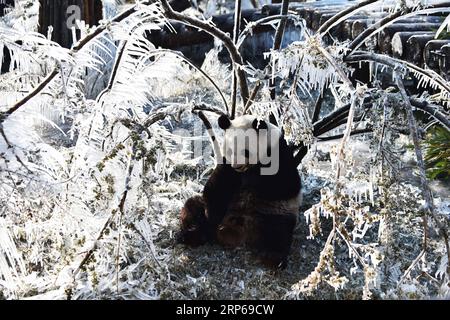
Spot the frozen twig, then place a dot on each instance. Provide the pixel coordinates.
(255, 90)
(395, 63)
(133, 226)
(426, 191)
(252, 25)
(11, 147)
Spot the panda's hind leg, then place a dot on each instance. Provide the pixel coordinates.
(231, 233)
(273, 238)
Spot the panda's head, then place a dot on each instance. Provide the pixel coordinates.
(249, 141)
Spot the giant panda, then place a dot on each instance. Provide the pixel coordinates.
(242, 205)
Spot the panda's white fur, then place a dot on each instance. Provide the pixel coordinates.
(235, 146)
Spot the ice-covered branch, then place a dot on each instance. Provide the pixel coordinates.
(235, 55)
(342, 15)
(395, 63)
(390, 19)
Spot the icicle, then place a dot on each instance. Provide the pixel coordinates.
(49, 33)
(74, 35)
(371, 193)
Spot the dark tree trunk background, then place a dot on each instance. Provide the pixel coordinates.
(4, 5)
(54, 13)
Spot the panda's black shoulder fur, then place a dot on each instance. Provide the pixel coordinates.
(284, 185)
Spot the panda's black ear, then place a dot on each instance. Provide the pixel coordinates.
(224, 122)
(259, 125)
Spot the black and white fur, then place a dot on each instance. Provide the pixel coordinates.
(240, 206)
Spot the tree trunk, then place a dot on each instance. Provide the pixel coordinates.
(58, 14)
(4, 7)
